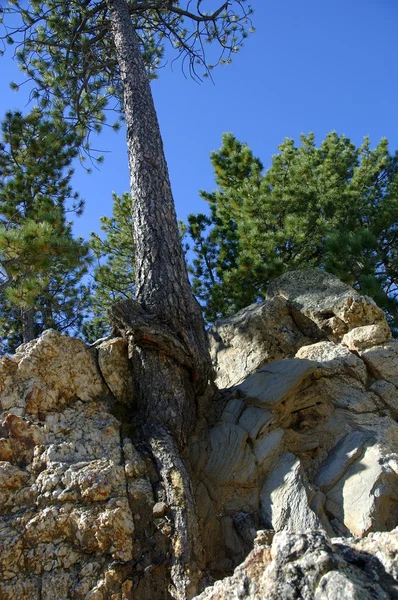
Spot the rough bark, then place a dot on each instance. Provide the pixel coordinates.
(164, 326)
(188, 556)
(28, 333)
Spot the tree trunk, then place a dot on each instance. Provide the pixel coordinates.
(28, 333)
(164, 326)
(162, 285)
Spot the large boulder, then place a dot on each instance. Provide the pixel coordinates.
(302, 308)
(256, 335)
(333, 306)
(47, 374)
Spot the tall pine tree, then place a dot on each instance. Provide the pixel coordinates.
(41, 264)
(86, 58)
(79, 54)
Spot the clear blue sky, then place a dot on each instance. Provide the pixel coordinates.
(312, 65)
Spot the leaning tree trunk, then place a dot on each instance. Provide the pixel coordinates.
(170, 352)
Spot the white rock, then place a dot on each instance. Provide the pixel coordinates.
(231, 461)
(366, 336)
(269, 386)
(366, 497)
(285, 498)
(382, 361)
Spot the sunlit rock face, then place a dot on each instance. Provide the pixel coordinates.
(302, 447)
(67, 476)
(307, 436)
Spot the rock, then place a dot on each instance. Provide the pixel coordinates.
(365, 498)
(270, 385)
(313, 567)
(388, 393)
(366, 336)
(302, 307)
(75, 509)
(134, 464)
(382, 361)
(346, 451)
(332, 305)
(264, 537)
(230, 462)
(286, 496)
(256, 335)
(47, 374)
(267, 449)
(324, 352)
(116, 368)
(384, 546)
(65, 502)
(334, 359)
(233, 410)
(303, 439)
(255, 421)
(159, 509)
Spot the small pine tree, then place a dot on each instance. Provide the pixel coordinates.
(113, 274)
(41, 264)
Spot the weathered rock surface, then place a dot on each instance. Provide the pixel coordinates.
(303, 307)
(305, 438)
(255, 336)
(312, 566)
(73, 492)
(327, 302)
(307, 441)
(115, 367)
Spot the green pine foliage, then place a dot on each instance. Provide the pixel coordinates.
(113, 273)
(66, 48)
(333, 206)
(41, 264)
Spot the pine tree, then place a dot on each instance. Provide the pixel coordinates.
(79, 54)
(40, 262)
(113, 273)
(333, 206)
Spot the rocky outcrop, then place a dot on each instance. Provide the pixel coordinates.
(333, 306)
(74, 491)
(301, 439)
(301, 307)
(313, 567)
(256, 335)
(307, 437)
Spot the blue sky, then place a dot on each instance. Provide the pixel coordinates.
(312, 65)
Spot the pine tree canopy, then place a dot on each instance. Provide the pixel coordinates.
(333, 206)
(40, 261)
(113, 273)
(66, 49)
